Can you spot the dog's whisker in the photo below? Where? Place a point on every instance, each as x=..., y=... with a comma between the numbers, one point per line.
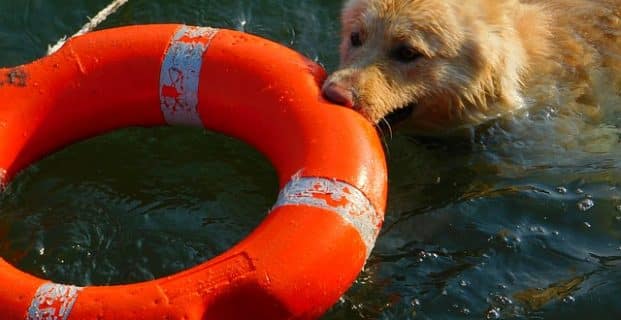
x=383, y=137
x=388, y=126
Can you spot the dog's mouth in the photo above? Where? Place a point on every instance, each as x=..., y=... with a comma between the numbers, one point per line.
x=400, y=114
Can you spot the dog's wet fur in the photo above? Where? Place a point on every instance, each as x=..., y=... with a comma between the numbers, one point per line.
x=445, y=64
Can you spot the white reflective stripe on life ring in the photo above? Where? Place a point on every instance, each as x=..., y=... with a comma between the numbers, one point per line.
x=337, y=196
x=180, y=74
x=53, y=301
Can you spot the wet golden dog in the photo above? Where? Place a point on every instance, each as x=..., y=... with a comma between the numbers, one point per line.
x=455, y=63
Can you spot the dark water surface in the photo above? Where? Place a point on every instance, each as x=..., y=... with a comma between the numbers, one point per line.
x=520, y=221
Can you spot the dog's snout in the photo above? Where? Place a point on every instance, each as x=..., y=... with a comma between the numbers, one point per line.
x=338, y=94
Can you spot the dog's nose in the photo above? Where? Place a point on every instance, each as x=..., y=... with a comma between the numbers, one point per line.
x=339, y=95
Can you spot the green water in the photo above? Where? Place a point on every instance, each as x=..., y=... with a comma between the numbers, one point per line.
x=495, y=225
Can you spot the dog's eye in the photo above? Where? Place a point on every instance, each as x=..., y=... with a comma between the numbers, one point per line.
x=355, y=39
x=405, y=54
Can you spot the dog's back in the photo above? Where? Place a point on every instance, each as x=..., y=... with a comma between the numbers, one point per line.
x=586, y=44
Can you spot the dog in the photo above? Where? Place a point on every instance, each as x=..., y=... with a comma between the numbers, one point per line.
x=448, y=64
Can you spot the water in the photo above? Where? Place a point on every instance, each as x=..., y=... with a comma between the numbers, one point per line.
x=520, y=220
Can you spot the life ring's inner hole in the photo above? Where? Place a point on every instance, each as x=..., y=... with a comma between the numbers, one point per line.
x=134, y=205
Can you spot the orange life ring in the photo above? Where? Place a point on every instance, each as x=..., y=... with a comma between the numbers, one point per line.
x=330, y=164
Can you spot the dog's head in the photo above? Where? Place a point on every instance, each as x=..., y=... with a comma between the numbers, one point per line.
x=447, y=62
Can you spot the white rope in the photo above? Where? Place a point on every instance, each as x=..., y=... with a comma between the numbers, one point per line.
x=100, y=17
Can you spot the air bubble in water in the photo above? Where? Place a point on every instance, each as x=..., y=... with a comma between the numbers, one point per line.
x=586, y=204
x=493, y=314
x=538, y=229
